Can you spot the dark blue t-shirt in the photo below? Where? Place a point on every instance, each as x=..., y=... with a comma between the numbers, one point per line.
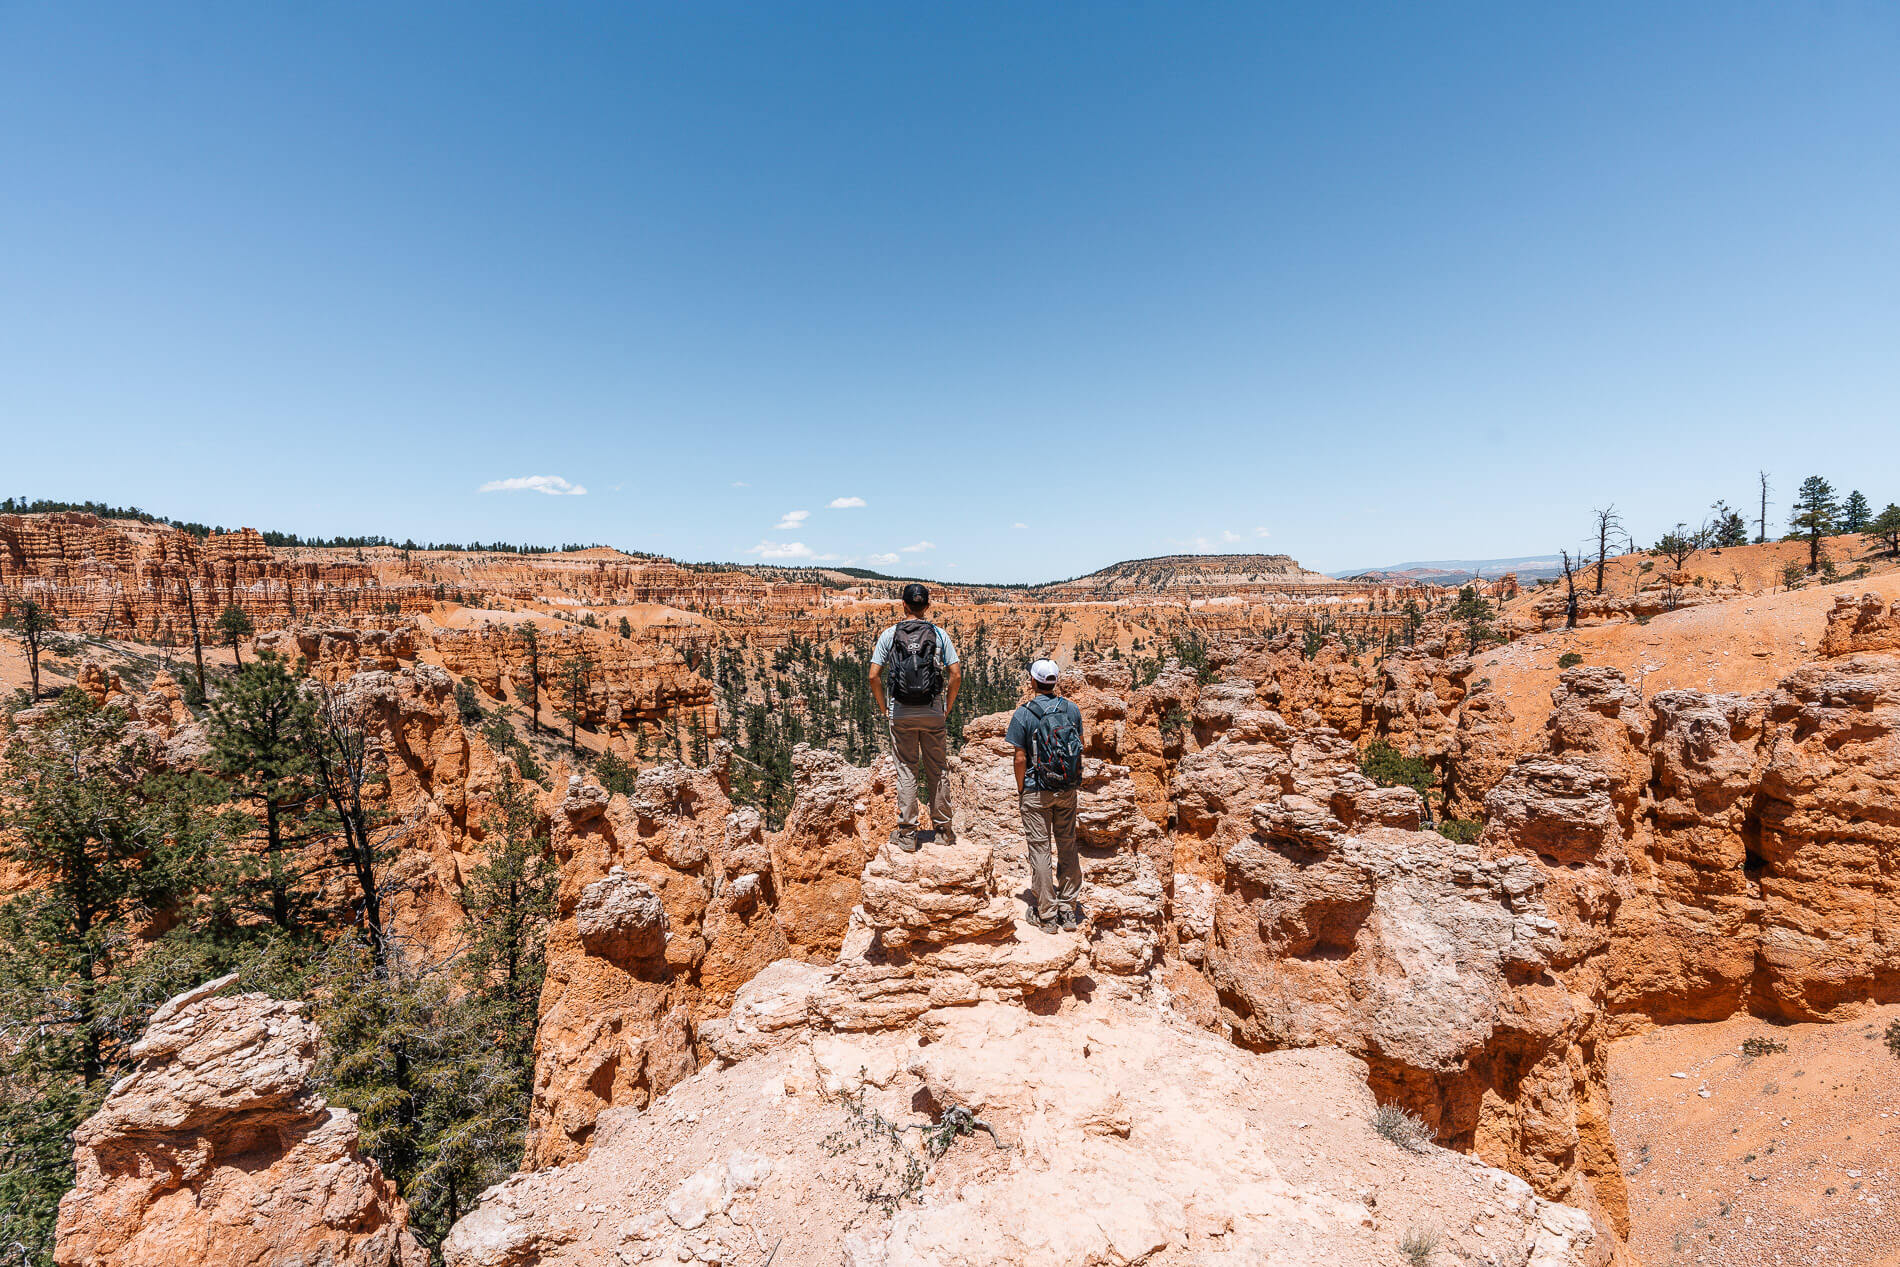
x=1023, y=723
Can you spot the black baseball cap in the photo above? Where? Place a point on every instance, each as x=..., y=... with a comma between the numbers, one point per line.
x=916, y=595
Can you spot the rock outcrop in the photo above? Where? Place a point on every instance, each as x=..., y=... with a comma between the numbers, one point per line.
x=1713, y=854
x=214, y=1151
x=1053, y=1126
x=1861, y=624
x=1335, y=922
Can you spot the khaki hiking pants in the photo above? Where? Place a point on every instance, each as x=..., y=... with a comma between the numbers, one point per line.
x=922, y=745
x=1047, y=817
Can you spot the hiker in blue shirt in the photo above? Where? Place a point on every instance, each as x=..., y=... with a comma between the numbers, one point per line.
x=1047, y=735
x=917, y=660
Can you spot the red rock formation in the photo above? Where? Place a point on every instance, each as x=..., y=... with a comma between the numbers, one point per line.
x=665, y=908
x=629, y=684
x=214, y=1152
x=335, y=653
x=1861, y=624
x=1336, y=923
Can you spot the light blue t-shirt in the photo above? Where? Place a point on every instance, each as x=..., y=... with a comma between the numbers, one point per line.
x=946, y=653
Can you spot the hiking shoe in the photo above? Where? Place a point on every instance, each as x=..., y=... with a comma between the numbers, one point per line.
x=1049, y=925
x=1070, y=919
x=944, y=836
x=905, y=839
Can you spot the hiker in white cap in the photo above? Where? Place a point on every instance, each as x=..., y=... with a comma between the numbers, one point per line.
x=1047, y=735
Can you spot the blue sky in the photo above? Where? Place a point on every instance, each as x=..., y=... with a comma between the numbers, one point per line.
x=1355, y=283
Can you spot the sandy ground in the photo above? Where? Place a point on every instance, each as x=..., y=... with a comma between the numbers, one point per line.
x=1791, y=1158
x=1744, y=644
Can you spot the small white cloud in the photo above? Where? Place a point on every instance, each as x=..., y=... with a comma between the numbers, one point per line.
x=916, y=548
x=1261, y=532
x=1019, y=525
x=1229, y=535
x=825, y=558
x=552, y=485
x=793, y=518
x=845, y=503
x=781, y=550
x=740, y=484
x=881, y=560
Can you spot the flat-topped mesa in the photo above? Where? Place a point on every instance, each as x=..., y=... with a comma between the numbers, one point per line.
x=216, y=1152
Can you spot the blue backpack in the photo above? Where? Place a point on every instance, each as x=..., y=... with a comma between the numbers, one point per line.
x=1055, y=744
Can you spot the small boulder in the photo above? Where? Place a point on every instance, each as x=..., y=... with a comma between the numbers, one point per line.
x=621, y=919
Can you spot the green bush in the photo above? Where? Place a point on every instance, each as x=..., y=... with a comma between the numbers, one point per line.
x=616, y=775
x=468, y=705
x=1192, y=654
x=1173, y=722
x=1462, y=830
x=1569, y=660
x=1388, y=767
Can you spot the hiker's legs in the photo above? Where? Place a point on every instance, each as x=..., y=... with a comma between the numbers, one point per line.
x=1068, y=861
x=935, y=744
x=904, y=744
x=1038, y=831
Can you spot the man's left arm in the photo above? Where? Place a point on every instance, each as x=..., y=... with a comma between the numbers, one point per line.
x=953, y=671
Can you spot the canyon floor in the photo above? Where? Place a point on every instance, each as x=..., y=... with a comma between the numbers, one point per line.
x=1789, y=1158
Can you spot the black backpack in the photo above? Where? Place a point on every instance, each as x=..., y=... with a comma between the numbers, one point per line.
x=913, y=664
x=1055, y=745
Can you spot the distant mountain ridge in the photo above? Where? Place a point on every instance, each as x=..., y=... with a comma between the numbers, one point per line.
x=1457, y=571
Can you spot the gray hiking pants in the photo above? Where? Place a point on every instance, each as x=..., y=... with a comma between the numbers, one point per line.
x=922, y=745
x=1049, y=817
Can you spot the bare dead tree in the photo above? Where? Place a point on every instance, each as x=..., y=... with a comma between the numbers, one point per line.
x=197, y=644
x=1609, y=523
x=1761, y=525
x=346, y=763
x=1570, y=581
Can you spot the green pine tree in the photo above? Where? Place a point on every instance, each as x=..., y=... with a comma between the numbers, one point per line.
x=234, y=626
x=1886, y=527
x=1856, y=514
x=434, y=1095
x=32, y=623
x=264, y=739
x=107, y=839
x=530, y=638
x=577, y=673
x=1813, y=516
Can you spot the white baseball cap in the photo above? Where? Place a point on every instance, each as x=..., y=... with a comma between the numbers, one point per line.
x=1045, y=671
